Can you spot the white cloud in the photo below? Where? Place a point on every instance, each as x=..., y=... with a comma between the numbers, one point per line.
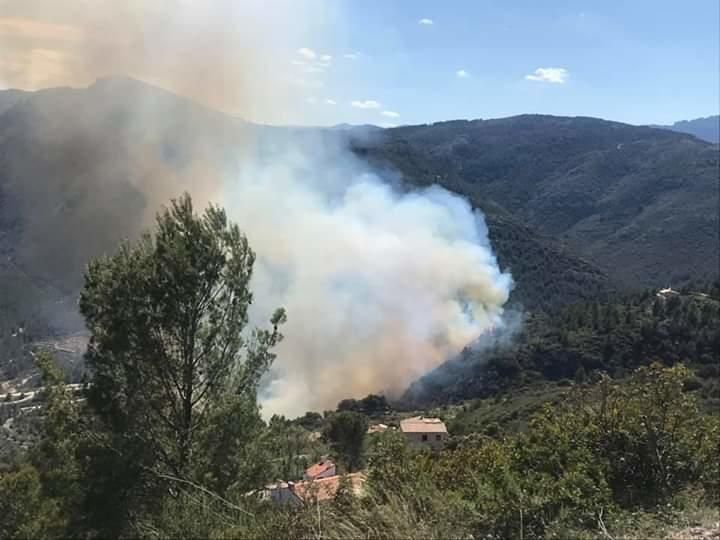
x=387, y=125
x=426, y=22
x=307, y=53
x=318, y=68
x=462, y=74
x=549, y=75
x=298, y=63
x=325, y=58
x=311, y=100
x=331, y=102
x=367, y=104
x=351, y=56
x=390, y=114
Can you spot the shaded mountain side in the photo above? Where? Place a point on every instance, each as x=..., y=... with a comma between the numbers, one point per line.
x=10, y=97
x=707, y=129
x=82, y=169
x=641, y=203
x=581, y=339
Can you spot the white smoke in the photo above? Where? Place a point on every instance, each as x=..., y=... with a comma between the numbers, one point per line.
x=380, y=286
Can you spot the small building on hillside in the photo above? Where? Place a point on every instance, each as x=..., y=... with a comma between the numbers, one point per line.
x=325, y=489
x=323, y=469
x=377, y=428
x=311, y=491
x=666, y=293
x=421, y=431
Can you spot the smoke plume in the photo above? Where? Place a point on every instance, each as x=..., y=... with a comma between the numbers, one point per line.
x=380, y=285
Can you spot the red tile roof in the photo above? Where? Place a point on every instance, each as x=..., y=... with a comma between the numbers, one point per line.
x=325, y=489
x=319, y=468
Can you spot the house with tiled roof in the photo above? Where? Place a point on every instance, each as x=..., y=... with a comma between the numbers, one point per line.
x=325, y=489
x=422, y=431
x=323, y=469
x=310, y=491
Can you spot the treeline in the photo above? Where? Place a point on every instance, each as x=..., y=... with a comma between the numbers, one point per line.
x=580, y=341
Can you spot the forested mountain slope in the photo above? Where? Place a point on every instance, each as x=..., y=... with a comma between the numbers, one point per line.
x=639, y=202
x=578, y=340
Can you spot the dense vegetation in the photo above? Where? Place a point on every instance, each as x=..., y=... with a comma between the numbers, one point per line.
x=578, y=341
x=169, y=441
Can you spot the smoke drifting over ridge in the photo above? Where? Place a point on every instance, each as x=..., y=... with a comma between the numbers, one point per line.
x=380, y=286
x=227, y=54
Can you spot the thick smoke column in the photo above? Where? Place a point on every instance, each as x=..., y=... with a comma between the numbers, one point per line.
x=380, y=286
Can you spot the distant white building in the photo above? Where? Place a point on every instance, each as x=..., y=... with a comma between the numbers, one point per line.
x=664, y=293
x=377, y=428
x=421, y=431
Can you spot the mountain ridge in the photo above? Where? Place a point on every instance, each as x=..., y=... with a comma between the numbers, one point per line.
x=71, y=161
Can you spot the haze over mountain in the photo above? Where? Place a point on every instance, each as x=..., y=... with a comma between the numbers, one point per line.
x=707, y=129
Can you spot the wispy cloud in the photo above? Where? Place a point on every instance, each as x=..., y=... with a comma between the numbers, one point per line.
x=367, y=104
x=307, y=53
x=426, y=22
x=462, y=74
x=311, y=100
x=390, y=114
x=352, y=56
x=311, y=61
x=553, y=75
x=330, y=102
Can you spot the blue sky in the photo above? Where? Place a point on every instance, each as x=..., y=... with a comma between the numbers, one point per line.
x=634, y=61
x=382, y=61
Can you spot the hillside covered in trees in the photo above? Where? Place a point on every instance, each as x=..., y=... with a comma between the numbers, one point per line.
x=579, y=341
x=639, y=202
x=167, y=439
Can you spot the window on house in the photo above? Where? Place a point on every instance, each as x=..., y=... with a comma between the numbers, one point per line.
x=438, y=437
x=424, y=437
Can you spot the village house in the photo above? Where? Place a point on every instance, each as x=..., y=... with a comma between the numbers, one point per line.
x=428, y=432
x=325, y=489
x=320, y=483
x=323, y=469
x=310, y=491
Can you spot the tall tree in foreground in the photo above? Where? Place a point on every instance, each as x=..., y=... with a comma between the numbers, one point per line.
x=169, y=355
x=346, y=432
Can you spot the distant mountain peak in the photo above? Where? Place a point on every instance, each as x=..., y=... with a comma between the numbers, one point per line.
x=706, y=128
